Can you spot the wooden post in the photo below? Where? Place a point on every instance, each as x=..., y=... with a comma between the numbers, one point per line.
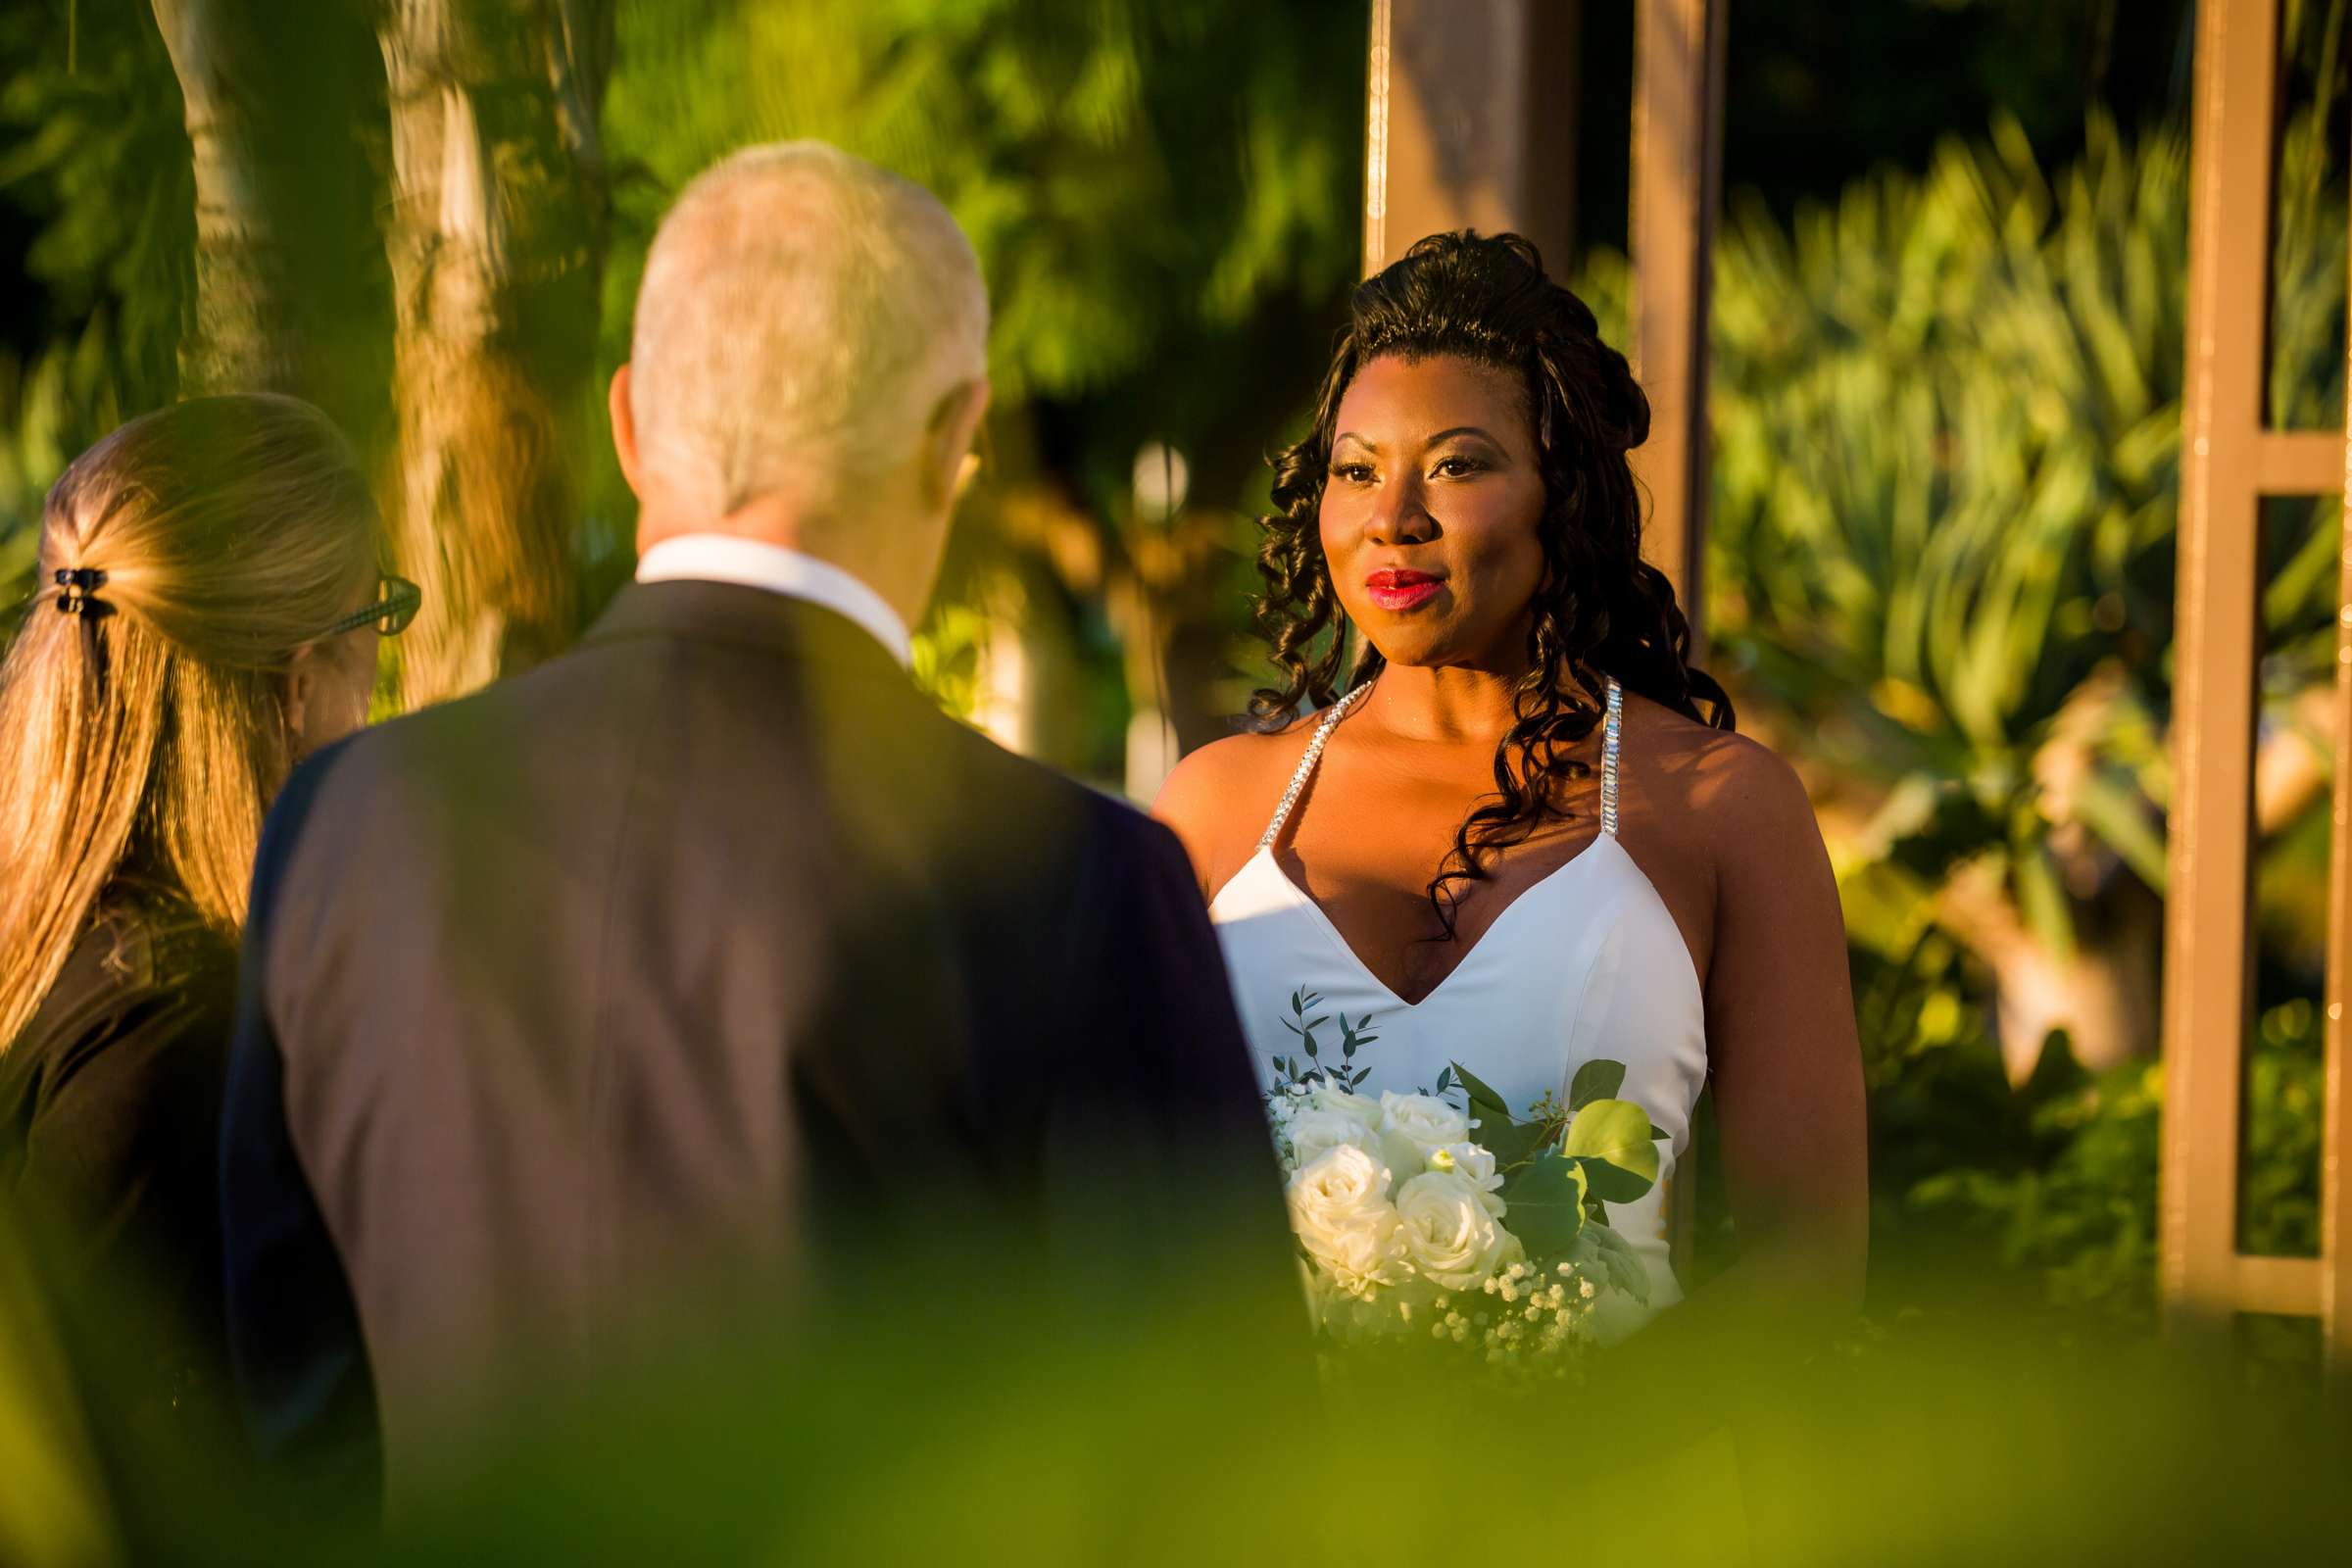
x=2229, y=462
x=1677, y=182
x=1470, y=123
x=2335, y=1142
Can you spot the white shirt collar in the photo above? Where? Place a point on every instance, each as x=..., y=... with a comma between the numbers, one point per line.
x=754, y=564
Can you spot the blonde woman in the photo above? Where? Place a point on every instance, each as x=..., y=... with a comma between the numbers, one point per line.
x=205, y=613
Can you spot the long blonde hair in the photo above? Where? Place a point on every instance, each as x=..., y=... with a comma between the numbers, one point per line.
x=142, y=739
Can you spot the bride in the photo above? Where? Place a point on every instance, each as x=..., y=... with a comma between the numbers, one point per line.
x=1520, y=832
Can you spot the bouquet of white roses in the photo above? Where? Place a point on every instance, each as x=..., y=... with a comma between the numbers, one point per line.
x=1464, y=1226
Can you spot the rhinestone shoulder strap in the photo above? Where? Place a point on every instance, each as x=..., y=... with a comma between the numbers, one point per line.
x=1611, y=740
x=1612, y=733
x=1306, y=763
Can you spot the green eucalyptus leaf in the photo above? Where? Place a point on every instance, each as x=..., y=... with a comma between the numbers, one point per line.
x=1484, y=1104
x=1545, y=1205
x=1612, y=1183
x=1598, y=1079
x=1612, y=1139
x=1511, y=1143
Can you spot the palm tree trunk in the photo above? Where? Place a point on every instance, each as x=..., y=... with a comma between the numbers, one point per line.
x=289, y=296
x=496, y=240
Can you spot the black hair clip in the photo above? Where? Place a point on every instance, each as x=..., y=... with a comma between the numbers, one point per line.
x=78, y=587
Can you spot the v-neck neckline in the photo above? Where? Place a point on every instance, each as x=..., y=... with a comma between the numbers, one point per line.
x=1269, y=845
x=1347, y=950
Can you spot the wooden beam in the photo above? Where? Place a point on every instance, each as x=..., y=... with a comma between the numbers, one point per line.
x=2335, y=1281
x=1379, y=98
x=1678, y=144
x=1470, y=122
x=2217, y=643
x=2299, y=463
x=2288, y=1287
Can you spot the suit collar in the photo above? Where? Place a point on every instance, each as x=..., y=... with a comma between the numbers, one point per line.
x=757, y=564
x=739, y=616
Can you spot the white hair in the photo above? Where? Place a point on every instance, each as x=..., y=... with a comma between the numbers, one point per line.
x=802, y=312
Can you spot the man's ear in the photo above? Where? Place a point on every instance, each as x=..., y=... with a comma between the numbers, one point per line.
x=947, y=463
x=624, y=428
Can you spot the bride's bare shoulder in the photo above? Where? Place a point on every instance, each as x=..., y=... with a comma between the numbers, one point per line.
x=1220, y=797
x=1735, y=790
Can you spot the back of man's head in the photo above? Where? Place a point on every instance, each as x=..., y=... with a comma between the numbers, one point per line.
x=801, y=316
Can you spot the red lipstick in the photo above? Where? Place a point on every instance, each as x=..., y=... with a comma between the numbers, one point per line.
x=1394, y=589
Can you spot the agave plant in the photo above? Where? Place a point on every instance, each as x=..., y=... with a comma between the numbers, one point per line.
x=1948, y=423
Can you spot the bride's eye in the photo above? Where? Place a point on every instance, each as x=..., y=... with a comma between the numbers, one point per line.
x=1458, y=467
x=1352, y=472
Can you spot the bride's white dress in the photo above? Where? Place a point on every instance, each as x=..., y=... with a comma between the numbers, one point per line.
x=1586, y=963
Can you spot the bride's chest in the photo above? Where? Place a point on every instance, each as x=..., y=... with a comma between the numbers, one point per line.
x=1524, y=1048
x=1518, y=1006
x=1412, y=916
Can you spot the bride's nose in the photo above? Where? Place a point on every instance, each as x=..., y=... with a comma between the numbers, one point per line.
x=1401, y=516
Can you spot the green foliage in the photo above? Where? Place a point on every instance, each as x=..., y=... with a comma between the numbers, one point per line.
x=54, y=1509
x=1548, y=1198
x=1947, y=420
x=2059, y=1178
x=2285, y=1093
x=1617, y=1262
x=50, y=408
x=928, y=1421
x=1947, y=417
x=1598, y=1079
x=1162, y=199
x=1485, y=1104
x=1948, y=425
x=113, y=257
x=2079, y=1209
x=1612, y=1140
x=92, y=149
x=1314, y=1067
x=947, y=658
x=1128, y=172
x=1610, y=1143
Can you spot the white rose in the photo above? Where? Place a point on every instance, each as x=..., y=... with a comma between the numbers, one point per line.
x=1329, y=1096
x=1342, y=1214
x=1315, y=1133
x=1447, y=1233
x=1412, y=1126
x=1477, y=1167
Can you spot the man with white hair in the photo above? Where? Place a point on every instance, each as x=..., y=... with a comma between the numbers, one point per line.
x=709, y=957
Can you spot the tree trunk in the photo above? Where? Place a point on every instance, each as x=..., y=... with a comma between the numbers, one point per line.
x=496, y=237
x=2103, y=994
x=278, y=99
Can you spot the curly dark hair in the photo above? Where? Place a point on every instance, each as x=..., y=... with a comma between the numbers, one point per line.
x=1600, y=611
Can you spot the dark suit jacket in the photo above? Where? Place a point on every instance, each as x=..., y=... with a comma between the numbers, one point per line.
x=634, y=983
